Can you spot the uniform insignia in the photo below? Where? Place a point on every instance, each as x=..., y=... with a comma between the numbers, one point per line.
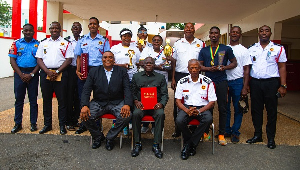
x=19, y=53
x=35, y=45
x=100, y=42
x=207, y=80
x=183, y=80
x=198, y=45
x=254, y=59
x=85, y=44
x=67, y=38
x=62, y=43
x=13, y=49
x=203, y=87
x=271, y=49
x=45, y=51
x=21, y=48
x=186, y=97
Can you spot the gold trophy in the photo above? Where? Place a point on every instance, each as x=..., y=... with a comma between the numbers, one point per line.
x=142, y=42
x=131, y=53
x=221, y=58
x=168, y=51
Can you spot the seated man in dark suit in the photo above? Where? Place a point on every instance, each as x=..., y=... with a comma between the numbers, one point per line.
x=148, y=78
x=111, y=94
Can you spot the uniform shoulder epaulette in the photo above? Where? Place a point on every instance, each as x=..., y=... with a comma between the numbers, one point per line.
x=43, y=39
x=106, y=39
x=81, y=37
x=277, y=44
x=207, y=80
x=67, y=38
x=184, y=79
x=251, y=45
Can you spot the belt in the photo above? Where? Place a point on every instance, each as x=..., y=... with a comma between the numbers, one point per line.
x=268, y=79
x=28, y=69
x=52, y=68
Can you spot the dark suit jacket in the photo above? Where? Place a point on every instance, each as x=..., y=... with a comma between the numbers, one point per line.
x=116, y=91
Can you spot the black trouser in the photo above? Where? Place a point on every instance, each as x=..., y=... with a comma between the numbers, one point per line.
x=59, y=87
x=183, y=120
x=73, y=104
x=221, y=92
x=263, y=92
x=178, y=76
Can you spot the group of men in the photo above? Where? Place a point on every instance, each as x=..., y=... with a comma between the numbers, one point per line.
x=227, y=70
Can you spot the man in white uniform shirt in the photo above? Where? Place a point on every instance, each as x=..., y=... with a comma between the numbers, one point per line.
x=54, y=55
x=198, y=93
x=268, y=82
x=184, y=49
x=238, y=82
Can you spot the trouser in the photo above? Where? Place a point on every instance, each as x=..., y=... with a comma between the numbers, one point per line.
x=235, y=88
x=178, y=76
x=97, y=110
x=20, y=92
x=73, y=104
x=59, y=87
x=159, y=118
x=263, y=92
x=183, y=120
x=221, y=92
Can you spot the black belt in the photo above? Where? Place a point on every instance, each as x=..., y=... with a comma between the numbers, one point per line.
x=52, y=68
x=268, y=79
x=28, y=69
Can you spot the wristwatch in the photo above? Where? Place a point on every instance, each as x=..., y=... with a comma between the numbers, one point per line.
x=32, y=75
x=284, y=86
x=57, y=71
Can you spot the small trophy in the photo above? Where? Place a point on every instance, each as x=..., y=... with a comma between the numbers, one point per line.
x=168, y=50
x=131, y=53
x=221, y=58
x=142, y=42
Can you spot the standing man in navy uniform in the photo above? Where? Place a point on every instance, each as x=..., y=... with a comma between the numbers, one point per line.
x=209, y=58
x=184, y=49
x=95, y=45
x=73, y=109
x=26, y=76
x=268, y=82
x=54, y=55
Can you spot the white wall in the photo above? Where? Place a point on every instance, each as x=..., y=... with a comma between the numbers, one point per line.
x=5, y=68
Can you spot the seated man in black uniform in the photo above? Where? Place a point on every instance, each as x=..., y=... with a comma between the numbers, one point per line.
x=199, y=96
x=111, y=94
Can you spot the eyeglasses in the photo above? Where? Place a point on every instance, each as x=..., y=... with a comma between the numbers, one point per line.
x=75, y=26
x=142, y=32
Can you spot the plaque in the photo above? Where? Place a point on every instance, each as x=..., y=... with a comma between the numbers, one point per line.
x=148, y=97
x=221, y=58
x=84, y=65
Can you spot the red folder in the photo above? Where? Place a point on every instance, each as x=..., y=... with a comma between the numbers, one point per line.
x=84, y=65
x=148, y=97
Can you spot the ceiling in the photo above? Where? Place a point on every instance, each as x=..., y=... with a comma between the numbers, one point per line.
x=171, y=11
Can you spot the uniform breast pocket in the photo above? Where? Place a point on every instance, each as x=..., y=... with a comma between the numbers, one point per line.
x=20, y=52
x=253, y=58
x=99, y=48
x=271, y=57
x=181, y=51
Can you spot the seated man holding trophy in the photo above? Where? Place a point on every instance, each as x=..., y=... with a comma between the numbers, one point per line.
x=150, y=95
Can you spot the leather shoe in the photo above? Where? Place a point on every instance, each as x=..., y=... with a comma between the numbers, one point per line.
x=63, y=130
x=271, y=144
x=176, y=134
x=97, y=142
x=109, y=144
x=185, y=153
x=45, y=129
x=192, y=151
x=157, y=151
x=81, y=129
x=254, y=140
x=71, y=128
x=136, y=150
x=33, y=128
x=16, y=128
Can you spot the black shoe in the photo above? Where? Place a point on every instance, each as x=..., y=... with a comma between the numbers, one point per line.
x=45, y=129
x=16, y=128
x=97, y=142
x=176, y=134
x=63, y=130
x=227, y=135
x=271, y=144
x=136, y=150
x=185, y=153
x=254, y=140
x=109, y=144
x=157, y=151
x=81, y=129
x=33, y=128
x=192, y=150
x=71, y=128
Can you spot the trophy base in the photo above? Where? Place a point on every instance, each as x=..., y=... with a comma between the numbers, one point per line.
x=167, y=67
